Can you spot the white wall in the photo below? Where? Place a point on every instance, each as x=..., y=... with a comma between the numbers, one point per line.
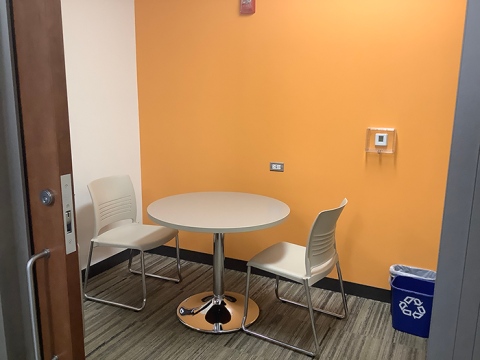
x=100, y=55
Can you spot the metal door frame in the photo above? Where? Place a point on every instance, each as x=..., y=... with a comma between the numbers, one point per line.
x=15, y=248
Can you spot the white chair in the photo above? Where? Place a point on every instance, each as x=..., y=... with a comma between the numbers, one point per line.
x=306, y=265
x=113, y=200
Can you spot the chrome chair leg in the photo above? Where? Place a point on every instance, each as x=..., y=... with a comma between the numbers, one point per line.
x=87, y=270
x=344, y=297
x=310, y=310
x=179, y=279
x=91, y=298
x=263, y=337
x=179, y=268
x=245, y=305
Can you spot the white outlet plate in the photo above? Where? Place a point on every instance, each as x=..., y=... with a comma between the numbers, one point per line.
x=276, y=166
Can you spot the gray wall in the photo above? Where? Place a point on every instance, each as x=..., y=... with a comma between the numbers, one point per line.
x=15, y=330
x=3, y=343
x=458, y=211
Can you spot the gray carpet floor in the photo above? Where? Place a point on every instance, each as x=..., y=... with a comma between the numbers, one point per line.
x=113, y=333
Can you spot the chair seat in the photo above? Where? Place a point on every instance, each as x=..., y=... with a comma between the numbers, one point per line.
x=288, y=260
x=136, y=236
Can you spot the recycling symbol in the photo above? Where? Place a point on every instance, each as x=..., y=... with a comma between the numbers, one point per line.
x=418, y=314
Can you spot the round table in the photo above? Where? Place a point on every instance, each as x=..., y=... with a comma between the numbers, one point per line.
x=218, y=213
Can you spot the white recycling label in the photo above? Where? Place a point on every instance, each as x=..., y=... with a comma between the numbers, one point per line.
x=417, y=314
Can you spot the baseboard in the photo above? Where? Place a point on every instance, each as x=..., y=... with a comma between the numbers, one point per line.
x=364, y=291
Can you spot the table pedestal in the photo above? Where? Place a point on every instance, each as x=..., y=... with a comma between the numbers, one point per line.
x=217, y=311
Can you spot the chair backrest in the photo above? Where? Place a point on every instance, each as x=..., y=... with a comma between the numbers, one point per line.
x=321, y=241
x=113, y=200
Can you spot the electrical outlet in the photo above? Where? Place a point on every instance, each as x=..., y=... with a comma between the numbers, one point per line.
x=276, y=166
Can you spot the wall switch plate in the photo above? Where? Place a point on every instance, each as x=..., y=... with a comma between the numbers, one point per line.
x=381, y=139
x=276, y=166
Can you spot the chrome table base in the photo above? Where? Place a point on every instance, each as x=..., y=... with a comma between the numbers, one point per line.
x=204, y=313
x=216, y=312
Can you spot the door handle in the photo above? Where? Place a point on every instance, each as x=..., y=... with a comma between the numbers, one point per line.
x=33, y=304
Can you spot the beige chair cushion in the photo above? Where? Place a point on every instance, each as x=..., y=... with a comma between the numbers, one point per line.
x=288, y=260
x=136, y=236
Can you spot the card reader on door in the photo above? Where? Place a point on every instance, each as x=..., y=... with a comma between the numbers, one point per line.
x=68, y=221
x=68, y=214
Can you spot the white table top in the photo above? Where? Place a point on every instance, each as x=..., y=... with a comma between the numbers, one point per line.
x=218, y=212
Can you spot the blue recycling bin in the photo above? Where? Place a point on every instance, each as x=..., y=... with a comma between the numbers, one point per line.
x=412, y=301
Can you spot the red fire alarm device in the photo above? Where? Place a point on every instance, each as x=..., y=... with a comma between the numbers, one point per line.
x=247, y=6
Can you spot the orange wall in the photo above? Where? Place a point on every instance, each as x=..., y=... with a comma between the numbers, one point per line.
x=221, y=95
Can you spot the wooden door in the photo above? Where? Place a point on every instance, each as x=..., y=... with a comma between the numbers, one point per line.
x=42, y=95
